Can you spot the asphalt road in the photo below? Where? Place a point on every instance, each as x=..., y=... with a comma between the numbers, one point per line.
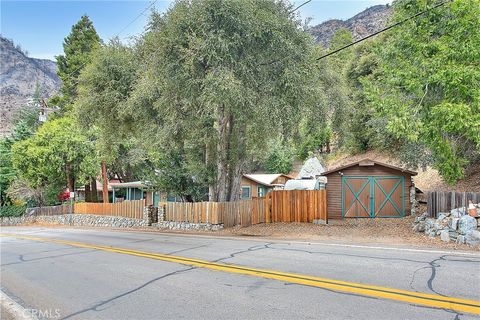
x=64, y=281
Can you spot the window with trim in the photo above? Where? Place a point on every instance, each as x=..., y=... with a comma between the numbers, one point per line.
x=246, y=193
x=260, y=191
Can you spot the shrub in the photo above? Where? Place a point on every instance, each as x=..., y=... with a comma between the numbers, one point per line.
x=12, y=211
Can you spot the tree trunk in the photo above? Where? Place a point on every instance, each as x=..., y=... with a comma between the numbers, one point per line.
x=70, y=178
x=237, y=161
x=93, y=187
x=221, y=185
x=208, y=163
x=105, y=182
x=88, y=193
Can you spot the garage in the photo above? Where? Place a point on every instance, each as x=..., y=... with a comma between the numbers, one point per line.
x=369, y=189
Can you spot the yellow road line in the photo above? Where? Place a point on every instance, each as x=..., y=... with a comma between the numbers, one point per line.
x=431, y=300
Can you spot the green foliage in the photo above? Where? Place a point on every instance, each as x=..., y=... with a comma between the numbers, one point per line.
x=7, y=172
x=427, y=87
x=12, y=211
x=25, y=122
x=77, y=47
x=313, y=140
x=104, y=88
x=174, y=177
x=57, y=153
x=326, y=118
x=221, y=78
x=280, y=158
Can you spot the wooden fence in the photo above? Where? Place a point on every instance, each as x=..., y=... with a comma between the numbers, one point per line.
x=438, y=201
x=128, y=209
x=278, y=206
x=49, y=211
x=298, y=206
x=243, y=212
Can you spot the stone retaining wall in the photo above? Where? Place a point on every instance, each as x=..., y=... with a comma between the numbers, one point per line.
x=91, y=220
x=76, y=220
x=173, y=225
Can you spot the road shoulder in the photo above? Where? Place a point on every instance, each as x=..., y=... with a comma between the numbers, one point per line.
x=11, y=310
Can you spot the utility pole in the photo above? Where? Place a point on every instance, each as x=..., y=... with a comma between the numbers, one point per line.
x=105, y=182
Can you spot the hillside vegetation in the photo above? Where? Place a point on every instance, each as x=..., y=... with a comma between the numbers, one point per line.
x=21, y=77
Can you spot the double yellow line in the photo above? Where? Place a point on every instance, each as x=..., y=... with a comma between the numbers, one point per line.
x=417, y=298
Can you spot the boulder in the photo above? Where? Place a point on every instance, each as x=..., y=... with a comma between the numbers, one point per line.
x=473, y=238
x=441, y=223
x=430, y=227
x=466, y=224
x=419, y=227
x=421, y=217
x=453, y=234
x=461, y=239
x=458, y=212
x=453, y=223
x=445, y=236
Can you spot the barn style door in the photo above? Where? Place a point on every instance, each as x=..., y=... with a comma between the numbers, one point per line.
x=370, y=197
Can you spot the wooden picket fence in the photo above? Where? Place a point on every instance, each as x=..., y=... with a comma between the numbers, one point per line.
x=129, y=209
x=439, y=201
x=278, y=206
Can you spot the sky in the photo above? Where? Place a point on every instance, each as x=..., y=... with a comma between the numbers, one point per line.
x=40, y=26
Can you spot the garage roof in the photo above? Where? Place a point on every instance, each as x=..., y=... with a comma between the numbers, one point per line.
x=368, y=163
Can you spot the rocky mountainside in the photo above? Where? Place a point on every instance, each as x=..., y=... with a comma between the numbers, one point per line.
x=366, y=22
x=20, y=76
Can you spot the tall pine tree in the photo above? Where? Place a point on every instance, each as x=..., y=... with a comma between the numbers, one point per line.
x=77, y=48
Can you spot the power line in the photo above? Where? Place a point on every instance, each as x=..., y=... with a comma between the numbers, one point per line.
x=292, y=11
x=135, y=19
x=384, y=29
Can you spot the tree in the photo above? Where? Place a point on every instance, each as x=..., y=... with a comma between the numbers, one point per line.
x=77, y=47
x=324, y=121
x=56, y=156
x=427, y=82
x=25, y=123
x=104, y=87
x=280, y=158
x=223, y=77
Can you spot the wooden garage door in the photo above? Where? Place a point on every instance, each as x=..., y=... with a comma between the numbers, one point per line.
x=389, y=197
x=370, y=197
x=356, y=197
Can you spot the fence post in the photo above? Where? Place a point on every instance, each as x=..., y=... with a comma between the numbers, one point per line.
x=161, y=213
x=147, y=214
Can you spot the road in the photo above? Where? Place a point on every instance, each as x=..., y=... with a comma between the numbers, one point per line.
x=99, y=274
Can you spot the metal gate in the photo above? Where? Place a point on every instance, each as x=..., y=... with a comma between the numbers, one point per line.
x=370, y=197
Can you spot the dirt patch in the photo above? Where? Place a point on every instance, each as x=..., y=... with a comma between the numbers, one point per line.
x=351, y=231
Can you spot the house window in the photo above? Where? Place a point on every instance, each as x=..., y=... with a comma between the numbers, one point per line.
x=246, y=192
x=260, y=191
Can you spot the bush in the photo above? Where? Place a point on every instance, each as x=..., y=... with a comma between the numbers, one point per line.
x=12, y=211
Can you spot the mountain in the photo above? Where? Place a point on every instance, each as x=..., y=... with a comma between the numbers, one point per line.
x=366, y=22
x=19, y=78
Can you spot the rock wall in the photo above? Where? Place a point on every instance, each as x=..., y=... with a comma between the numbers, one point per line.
x=455, y=225
x=76, y=220
x=90, y=220
x=173, y=225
